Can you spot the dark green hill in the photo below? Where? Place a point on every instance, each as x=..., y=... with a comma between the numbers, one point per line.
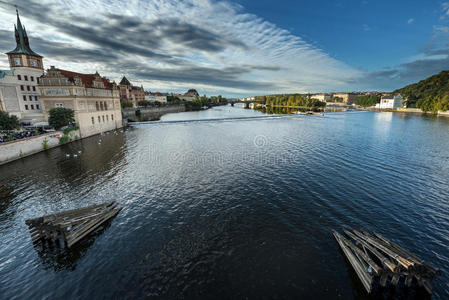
x=427, y=91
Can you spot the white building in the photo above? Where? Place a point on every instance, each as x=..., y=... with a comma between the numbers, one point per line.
x=153, y=97
x=323, y=97
x=390, y=102
x=19, y=94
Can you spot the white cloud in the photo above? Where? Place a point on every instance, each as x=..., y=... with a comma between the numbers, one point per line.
x=276, y=60
x=410, y=21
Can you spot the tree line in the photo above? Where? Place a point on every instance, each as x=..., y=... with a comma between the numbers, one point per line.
x=297, y=100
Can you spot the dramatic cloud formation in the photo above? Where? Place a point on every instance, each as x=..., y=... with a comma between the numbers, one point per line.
x=173, y=45
x=210, y=45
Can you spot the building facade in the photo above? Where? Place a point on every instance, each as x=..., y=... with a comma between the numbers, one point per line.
x=346, y=98
x=191, y=95
x=19, y=94
x=131, y=93
x=390, y=102
x=153, y=97
x=94, y=99
x=323, y=97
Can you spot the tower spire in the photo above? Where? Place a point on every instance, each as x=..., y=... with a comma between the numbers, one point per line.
x=23, y=44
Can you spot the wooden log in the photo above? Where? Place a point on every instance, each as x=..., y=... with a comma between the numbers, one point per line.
x=364, y=277
x=89, y=227
x=376, y=268
x=404, y=262
x=376, y=253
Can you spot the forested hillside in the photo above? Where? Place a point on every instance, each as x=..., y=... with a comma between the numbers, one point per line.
x=431, y=94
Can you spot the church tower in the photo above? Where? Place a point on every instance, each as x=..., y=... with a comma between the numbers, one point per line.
x=22, y=55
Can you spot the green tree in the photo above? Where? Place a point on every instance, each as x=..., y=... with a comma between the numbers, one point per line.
x=8, y=122
x=144, y=103
x=60, y=117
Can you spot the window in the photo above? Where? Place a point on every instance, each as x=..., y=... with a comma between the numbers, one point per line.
x=37, y=80
x=93, y=121
x=26, y=78
x=28, y=88
x=103, y=119
x=34, y=88
x=17, y=61
x=59, y=105
x=36, y=98
x=99, y=119
x=32, y=106
x=96, y=105
x=26, y=107
x=112, y=117
x=33, y=63
x=31, y=98
x=19, y=77
x=37, y=106
x=107, y=118
x=105, y=106
x=22, y=88
x=32, y=78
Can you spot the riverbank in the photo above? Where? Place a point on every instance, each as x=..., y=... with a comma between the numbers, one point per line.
x=143, y=114
x=14, y=150
x=405, y=110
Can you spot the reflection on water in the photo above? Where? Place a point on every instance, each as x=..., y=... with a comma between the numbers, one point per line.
x=229, y=209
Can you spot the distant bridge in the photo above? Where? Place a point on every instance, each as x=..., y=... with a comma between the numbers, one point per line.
x=246, y=102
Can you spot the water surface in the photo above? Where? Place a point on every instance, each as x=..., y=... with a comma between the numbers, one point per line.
x=239, y=208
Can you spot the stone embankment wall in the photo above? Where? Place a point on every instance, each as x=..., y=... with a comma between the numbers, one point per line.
x=11, y=151
x=141, y=114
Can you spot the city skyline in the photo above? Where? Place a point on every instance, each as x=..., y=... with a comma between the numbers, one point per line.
x=239, y=49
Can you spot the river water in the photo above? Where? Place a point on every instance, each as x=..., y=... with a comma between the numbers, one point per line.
x=229, y=204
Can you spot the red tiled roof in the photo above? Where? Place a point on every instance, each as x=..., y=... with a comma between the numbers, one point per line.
x=86, y=79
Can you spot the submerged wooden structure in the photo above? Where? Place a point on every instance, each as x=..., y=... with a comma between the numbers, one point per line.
x=73, y=225
x=380, y=263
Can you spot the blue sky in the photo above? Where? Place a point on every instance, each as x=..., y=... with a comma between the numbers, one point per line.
x=365, y=34
x=241, y=47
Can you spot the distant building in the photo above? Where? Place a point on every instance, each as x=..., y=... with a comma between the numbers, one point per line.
x=323, y=97
x=153, y=97
x=95, y=100
x=19, y=94
x=131, y=93
x=390, y=102
x=347, y=98
x=191, y=94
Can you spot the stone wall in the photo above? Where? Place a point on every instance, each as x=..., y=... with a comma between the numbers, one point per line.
x=141, y=114
x=11, y=151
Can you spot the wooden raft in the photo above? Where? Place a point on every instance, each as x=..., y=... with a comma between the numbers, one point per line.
x=380, y=262
x=72, y=225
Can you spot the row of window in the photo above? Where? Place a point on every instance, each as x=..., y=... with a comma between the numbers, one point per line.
x=101, y=106
x=28, y=88
x=32, y=106
x=25, y=77
x=31, y=98
x=102, y=118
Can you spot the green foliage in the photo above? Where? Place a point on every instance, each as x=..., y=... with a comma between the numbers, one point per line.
x=69, y=129
x=367, y=101
x=60, y=117
x=171, y=98
x=8, y=122
x=433, y=103
x=45, y=144
x=64, y=139
x=427, y=94
x=205, y=101
x=295, y=100
x=125, y=104
x=144, y=103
